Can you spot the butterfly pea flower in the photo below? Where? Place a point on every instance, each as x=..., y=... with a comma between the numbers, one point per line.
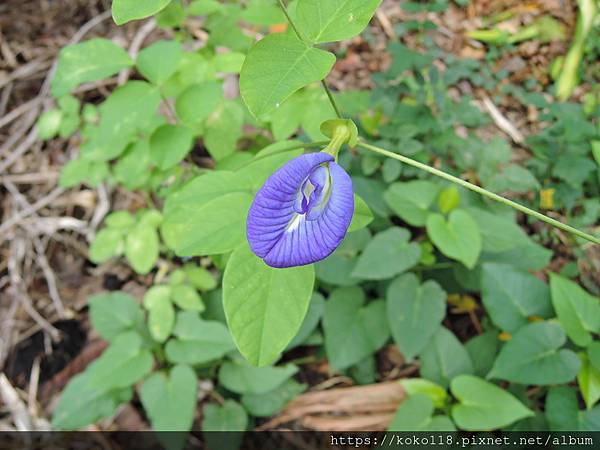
x=302, y=212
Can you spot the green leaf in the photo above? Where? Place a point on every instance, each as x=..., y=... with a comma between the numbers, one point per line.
x=588, y=379
x=242, y=378
x=49, y=123
x=411, y=201
x=337, y=268
x=353, y=330
x=141, y=248
x=483, y=350
x=593, y=352
x=217, y=226
x=170, y=401
x=577, y=311
x=511, y=297
x=229, y=416
x=161, y=312
x=562, y=409
x=272, y=402
x=114, y=313
x=415, y=312
x=88, y=61
x=202, y=279
x=81, y=404
x=458, y=238
x=534, y=356
x=435, y=392
x=159, y=61
x=198, y=341
x=444, y=358
x=124, y=11
x=484, y=406
x=223, y=129
x=107, y=244
x=388, y=254
x=362, y=215
x=203, y=189
x=198, y=101
x=413, y=414
x=122, y=364
x=169, y=144
x=186, y=297
x=311, y=320
x=264, y=306
x=276, y=67
x=334, y=20
x=449, y=199
x=119, y=219
x=128, y=111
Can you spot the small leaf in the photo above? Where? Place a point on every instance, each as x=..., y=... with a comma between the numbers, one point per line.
x=449, y=199
x=229, y=416
x=107, y=244
x=413, y=414
x=186, y=297
x=353, y=330
x=141, y=248
x=362, y=215
x=169, y=144
x=435, y=392
x=577, y=311
x=483, y=350
x=415, y=312
x=334, y=20
x=124, y=11
x=198, y=341
x=272, y=402
x=276, y=67
x=562, y=408
x=512, y=296
x=265, y=307
x=458, y=238
x=122, y=364
x=114, y=313
x=411, y=200
x=484, y=406
x=444, y=358
x=198, y=101
x=81, y=404
x=161, y=312
x=534, y=356
x=388, y=254
x=159, y=61
x=217, y=226
x=311, y=320
x=242, y=378
x=223, y=129
x=49, y=123
x=170, y=402
x=88, y=61
x=588, y=379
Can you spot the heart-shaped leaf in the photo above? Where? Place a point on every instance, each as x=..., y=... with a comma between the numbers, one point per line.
x=388, y=254
x=534, y=356
x=170, y=402
x=458, y=238
x=415, y=312
x=353, y=331
x=444, y=358
x=484, y=406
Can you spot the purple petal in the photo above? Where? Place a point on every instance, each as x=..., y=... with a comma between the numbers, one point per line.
x=302, y=212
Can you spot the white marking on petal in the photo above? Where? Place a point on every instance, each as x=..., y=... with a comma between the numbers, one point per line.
x=295, y=223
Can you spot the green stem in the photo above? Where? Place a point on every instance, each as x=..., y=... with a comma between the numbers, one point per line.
x=301, y=37
x=331, y=99
x=481, y=191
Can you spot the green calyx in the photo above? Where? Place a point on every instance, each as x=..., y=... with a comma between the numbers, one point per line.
x=340, y=131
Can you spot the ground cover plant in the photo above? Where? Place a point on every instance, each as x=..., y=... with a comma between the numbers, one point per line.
x=285, y=225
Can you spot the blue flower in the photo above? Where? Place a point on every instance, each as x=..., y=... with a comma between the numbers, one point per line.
x=302, y=212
